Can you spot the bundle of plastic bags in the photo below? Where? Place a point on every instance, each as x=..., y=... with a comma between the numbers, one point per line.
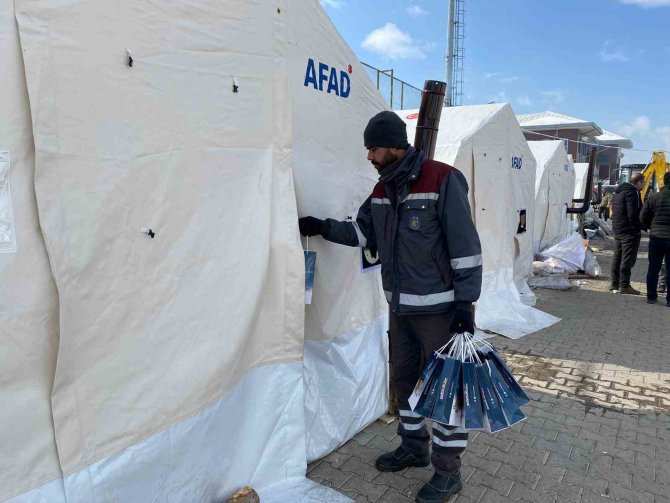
x=466, y=383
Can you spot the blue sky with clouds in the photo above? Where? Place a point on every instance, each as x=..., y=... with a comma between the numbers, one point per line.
x=607, y=61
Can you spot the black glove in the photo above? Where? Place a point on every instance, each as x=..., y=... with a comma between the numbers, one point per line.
x=463, y=322
x=312, y=226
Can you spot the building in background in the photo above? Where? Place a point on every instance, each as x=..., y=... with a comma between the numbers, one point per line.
x=609, y=157
x=579, y=136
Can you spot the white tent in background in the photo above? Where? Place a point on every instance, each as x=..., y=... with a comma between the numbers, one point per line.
x=487, y=145
x=581, y=173
x=180, y=370
x=554, y=187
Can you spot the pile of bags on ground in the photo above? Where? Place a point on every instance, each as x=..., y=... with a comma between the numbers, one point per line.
x=557, y=263
x=595, y=227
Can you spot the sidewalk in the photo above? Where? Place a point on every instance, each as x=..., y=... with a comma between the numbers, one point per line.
x=598, y=429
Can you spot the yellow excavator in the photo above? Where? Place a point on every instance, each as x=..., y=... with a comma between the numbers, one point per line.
x=653, y=174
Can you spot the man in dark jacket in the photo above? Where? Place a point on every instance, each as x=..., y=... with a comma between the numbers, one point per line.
x=655, y=216
x=418, y=217
x=626, y=206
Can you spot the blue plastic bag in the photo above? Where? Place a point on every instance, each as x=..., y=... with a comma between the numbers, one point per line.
x=310, y=268
x=448, y=387
x=494, y=419
x=473, y=416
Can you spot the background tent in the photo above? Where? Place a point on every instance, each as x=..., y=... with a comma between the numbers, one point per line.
x=176, y=358
x=554, y=186
x=581, y=173
x=487, y=145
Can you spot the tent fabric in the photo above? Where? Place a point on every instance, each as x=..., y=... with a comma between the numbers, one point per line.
x=171, y=147
x=487, y=145
x=554, y=186
x=28, y=297
x=163, y=351
x=345, y=350
x=581, y=173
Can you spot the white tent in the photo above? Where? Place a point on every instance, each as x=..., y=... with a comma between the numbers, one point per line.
x=581, y=173
x=487, y=145
x=554, y=186
x=152, y=310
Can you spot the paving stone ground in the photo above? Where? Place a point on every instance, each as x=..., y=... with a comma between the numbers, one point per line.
x=598, y=428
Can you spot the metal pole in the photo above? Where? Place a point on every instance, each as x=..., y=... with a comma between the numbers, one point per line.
x=450, y=53
x=391, y=88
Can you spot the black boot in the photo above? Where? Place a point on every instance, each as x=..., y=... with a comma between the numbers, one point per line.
x=400, y=459
x=439, y=488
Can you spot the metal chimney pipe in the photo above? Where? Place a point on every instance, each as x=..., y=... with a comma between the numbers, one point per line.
x=428, y=122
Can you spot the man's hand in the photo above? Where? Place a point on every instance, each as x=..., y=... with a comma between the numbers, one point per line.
x=312, y=226
x=463, y=322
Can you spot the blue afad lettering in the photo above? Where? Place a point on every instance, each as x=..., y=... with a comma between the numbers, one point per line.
x=327, y=79
x=517, y=162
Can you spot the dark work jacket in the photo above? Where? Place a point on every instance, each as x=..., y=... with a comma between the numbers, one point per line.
x=426, y=239
x=655, y=215
x=626, y=207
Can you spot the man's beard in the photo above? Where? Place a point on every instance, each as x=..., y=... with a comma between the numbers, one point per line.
x=387, y=161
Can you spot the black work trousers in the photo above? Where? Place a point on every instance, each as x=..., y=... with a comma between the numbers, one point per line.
x=625, y=255
x=413, y=338
x=663, y=280
x=659, y=249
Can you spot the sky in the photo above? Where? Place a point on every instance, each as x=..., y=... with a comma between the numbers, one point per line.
x=605, y=61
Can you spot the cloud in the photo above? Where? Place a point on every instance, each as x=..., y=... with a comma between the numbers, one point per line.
x=639, y=126
x=501, y=97
x=608, y=55
x=645, y=136
x=555, y=95
x=647, y=4
x=524, y=101
x=664, y=135
x=416, y=11
x=335, y=4
x=391, y=42
x=502, y=78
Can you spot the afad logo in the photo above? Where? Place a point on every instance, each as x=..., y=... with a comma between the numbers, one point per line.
x=328, y=79
x=517, y=162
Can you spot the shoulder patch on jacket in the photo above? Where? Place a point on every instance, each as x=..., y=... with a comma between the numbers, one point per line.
x=432, y=175
x=378, y=191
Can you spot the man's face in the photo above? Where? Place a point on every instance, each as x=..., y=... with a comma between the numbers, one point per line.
x=380, y=157
x=640, y=185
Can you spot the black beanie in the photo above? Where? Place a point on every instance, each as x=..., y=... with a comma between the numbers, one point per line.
x=386, y=129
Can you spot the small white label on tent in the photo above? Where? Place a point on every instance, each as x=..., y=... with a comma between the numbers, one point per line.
x=369, y=262
x=7, y=234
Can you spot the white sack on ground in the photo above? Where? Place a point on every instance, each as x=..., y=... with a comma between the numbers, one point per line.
x=568, y=254
x=345, y=326
x=487, y=145
x=28, y=299
x=551, y=282
x=554, y=186
x=591, y=265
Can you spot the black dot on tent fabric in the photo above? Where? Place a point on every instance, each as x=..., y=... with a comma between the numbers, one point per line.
x=278, y=10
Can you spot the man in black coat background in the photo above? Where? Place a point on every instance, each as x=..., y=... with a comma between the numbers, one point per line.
x=626, y=207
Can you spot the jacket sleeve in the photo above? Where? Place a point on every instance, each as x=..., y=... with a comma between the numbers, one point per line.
x=632, y=210
x=359, y=233
x=465, y=251
x=647, y=214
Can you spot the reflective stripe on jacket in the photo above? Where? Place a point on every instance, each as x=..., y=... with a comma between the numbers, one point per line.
x=428, y=244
